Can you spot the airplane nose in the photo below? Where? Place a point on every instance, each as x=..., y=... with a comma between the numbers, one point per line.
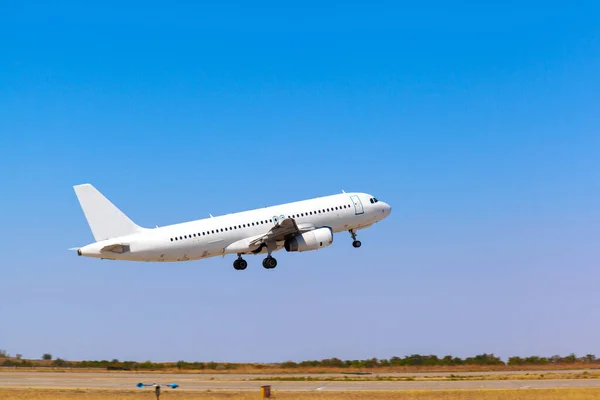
x=386, y=209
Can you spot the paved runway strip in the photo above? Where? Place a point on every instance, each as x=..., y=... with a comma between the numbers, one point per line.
x=235, y=382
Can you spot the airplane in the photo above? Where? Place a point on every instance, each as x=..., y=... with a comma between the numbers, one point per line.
x=296, y=227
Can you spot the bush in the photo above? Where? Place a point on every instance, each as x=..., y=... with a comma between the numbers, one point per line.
x=59, y=362
x=211, y=365
x=47, y=356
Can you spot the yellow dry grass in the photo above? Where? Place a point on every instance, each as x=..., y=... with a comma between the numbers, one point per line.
x=511, y=394
x=451, y=377
x=276, y=369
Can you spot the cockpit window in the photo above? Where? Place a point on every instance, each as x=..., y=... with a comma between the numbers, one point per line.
x=375, y=200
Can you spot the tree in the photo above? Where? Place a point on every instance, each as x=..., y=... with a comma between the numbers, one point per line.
x=19, y=356
x=3, y=353
x=515, y=361
x=47, y=356
x=59, y=362
x=589, y=358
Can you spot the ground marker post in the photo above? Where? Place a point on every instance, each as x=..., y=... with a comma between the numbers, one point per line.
x=265, y=392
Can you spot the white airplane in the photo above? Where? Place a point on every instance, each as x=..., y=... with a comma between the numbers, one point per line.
x=300, y=226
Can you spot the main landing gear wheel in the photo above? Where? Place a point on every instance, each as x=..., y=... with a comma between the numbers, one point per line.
x=269, y=263
x=240, y=264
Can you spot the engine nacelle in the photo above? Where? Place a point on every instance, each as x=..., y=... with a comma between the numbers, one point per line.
x=311, y=240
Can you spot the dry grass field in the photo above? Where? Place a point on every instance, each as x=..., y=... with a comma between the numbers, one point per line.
x=451, y=377
x=169, y=368
x=519, y=394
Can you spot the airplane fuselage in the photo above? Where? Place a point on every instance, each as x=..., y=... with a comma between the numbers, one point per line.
x=231, y=233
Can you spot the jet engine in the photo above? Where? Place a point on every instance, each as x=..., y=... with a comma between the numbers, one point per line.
x=311, y=240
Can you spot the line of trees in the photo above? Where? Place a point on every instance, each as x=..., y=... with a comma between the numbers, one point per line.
x=433, y=360
x=411, y=360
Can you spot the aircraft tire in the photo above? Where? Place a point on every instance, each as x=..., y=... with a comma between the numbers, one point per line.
x=269, y=263
x=356, y=244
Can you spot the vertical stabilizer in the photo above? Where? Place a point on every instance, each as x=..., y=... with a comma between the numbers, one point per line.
x=105, y=220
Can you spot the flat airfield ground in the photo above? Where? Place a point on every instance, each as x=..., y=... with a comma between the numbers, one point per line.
x=476, y=394
x=118, y=381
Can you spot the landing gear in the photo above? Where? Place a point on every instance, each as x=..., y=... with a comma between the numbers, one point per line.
x=356, y=243
x=269, y=262
x=240, y=264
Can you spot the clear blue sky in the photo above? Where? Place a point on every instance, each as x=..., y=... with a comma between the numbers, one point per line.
x=479, y=124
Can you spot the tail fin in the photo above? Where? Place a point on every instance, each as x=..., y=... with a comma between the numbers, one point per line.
x=105, y=220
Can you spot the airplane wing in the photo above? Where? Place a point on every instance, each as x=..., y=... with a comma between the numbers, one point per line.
x=282, y=231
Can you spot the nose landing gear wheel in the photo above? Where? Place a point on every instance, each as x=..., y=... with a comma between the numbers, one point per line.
x=269, y=263
x=240, y=264
x=355, y=243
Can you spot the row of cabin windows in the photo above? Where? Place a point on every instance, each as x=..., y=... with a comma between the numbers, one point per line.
x=212, y=232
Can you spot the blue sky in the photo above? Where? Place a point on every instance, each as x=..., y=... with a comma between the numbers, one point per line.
x=477, y=123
